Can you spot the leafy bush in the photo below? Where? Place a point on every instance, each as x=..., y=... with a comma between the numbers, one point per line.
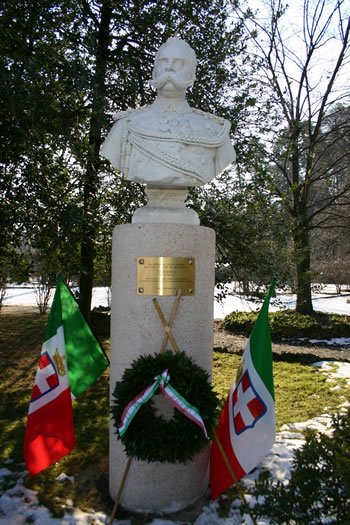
x=289, y=323
x=319, y=487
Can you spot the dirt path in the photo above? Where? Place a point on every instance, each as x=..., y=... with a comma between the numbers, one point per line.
x=236, y=343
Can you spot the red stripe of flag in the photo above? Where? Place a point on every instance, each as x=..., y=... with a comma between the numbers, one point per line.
x=220, y=478
x=49, y=434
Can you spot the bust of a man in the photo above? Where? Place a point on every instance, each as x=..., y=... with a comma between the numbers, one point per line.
x=169, y=144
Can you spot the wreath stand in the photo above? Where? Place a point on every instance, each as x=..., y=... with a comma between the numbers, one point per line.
x=169, y=336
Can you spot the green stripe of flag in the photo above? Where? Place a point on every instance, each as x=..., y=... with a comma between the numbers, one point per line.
x=55, y=318
x=260, y=344
x=85, y=358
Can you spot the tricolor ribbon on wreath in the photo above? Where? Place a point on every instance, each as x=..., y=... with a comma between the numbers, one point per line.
x=161, y=381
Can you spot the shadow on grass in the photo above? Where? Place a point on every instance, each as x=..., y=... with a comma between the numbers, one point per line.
x=288, y=357
x=21, y=337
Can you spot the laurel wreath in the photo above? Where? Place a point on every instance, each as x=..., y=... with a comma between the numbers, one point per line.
x=149, y=436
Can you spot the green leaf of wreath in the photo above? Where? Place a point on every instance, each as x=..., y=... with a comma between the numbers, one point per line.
x=149, y=436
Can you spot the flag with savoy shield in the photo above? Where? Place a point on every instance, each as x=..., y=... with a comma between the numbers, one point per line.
x=71, y=360
x=247, y=427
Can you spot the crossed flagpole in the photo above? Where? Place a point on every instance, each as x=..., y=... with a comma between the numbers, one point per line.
x=168, y=326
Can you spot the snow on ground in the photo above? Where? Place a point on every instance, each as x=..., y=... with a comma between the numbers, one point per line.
x=19, y=505
x=327, y=301
x=335, y=371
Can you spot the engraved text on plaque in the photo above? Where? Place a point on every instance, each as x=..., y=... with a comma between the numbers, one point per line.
x=165, y=275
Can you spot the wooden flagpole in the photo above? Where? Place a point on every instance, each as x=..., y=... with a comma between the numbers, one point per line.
x=234, y=477
x=168, y=334
x=117, y=499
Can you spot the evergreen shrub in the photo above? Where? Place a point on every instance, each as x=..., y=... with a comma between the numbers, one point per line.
x=289, y=323
x=319, y=488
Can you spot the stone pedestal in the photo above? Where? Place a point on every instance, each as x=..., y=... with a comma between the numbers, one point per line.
x=137, y=330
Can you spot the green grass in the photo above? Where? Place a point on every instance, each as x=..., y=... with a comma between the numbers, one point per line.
x=301, y=392
x=21, y=338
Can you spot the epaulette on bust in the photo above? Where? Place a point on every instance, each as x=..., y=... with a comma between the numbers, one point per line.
x=209, y=116
x=122, y=114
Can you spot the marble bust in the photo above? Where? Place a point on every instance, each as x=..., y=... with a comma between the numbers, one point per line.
x=169, y=144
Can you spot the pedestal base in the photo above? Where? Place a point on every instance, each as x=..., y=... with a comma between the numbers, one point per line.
x=137, y=330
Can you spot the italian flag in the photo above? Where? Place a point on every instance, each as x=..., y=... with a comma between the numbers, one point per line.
x=247, y=427
x=71, y=360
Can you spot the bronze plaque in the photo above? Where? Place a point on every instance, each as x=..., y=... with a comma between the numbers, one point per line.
x=165, y=275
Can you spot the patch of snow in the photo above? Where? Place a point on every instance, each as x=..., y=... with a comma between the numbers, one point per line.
x=5, y=472
x=344, y=341
x=165, y=522
x=321, y=423
x=335, y=370
x=65, y=477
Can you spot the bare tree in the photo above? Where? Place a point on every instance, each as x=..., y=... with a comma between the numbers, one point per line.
x=305, y=75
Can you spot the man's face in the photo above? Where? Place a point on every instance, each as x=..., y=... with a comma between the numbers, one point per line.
x=173, y=72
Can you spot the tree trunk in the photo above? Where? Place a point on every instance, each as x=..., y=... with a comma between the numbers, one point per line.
x=91, y=182
x=301, y=239
x=302, y=265
x=86, y=269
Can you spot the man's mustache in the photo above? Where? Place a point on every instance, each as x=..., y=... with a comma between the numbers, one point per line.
x=162, y=79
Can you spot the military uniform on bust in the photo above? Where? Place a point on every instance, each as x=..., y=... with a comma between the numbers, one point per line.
x=169, y=145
